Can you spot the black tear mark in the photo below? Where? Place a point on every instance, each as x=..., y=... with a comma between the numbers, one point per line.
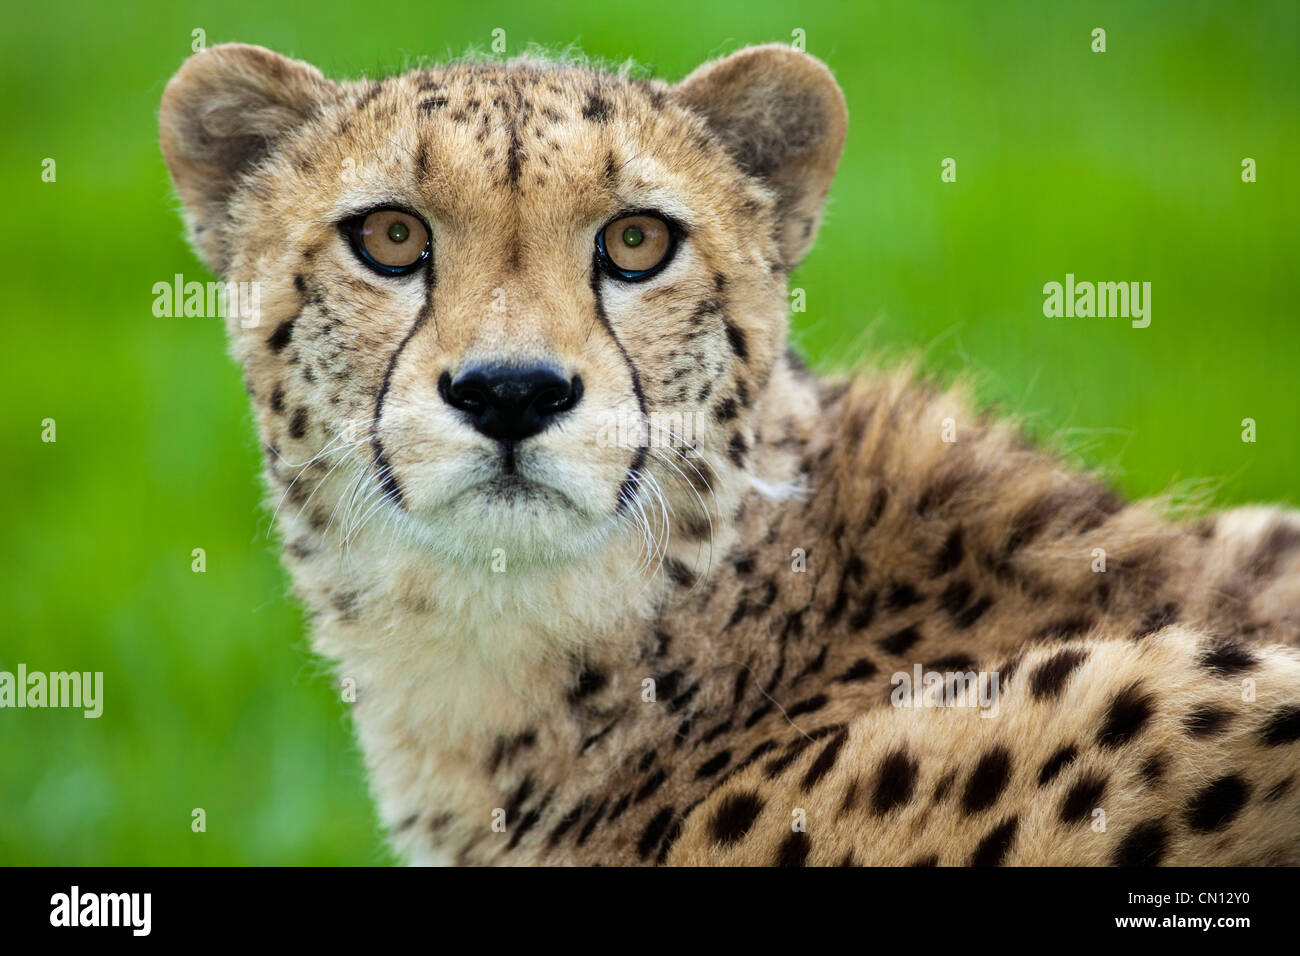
x=383, y=470
x=626, y=491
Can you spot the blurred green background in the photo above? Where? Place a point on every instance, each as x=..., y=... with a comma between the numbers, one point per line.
x=1117, y=166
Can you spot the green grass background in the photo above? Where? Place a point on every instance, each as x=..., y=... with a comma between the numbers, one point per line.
x=1116, y=166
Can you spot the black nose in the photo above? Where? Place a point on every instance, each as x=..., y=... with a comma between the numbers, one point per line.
x=510, y=403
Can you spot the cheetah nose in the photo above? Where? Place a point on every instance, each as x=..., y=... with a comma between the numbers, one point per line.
x=510, y=403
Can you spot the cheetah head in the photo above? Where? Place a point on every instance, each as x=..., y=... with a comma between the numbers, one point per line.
x=515, y=305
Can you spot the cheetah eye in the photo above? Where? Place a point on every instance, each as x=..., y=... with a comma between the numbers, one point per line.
x=636, y=246
x=389, y=240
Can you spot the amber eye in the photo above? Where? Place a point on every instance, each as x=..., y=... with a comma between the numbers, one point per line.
x=392, y=241
x=636, y=246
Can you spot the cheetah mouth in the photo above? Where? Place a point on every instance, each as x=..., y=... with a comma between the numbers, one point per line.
x=513, y=490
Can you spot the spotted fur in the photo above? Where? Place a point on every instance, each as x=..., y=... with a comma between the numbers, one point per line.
x=593, y=651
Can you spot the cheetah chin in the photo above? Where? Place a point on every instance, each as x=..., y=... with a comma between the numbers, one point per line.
x=574, y=642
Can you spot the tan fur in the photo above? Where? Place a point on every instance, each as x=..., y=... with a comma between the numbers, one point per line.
x=671, y=625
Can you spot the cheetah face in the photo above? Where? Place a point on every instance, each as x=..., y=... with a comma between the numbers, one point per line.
x=513, y=305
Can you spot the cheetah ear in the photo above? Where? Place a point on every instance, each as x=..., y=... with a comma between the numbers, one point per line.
x=221, y=115
x=782, y=117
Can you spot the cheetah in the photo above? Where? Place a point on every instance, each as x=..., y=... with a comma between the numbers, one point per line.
x=617, y=580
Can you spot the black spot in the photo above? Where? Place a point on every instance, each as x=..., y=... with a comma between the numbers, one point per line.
x=667, y=685
x=1050, y=677
x=879, y=498
x=758, y=714
x=1156, y=618
x=950, y=555
x=298, y=423
x=794, y=849
x=825, y=760
x=277, y=399
x=713, y=764
x=973, y=613
x=1127, y=715
x=1056, y=763
x=739, y=344
x=281, y=336
x=654, y=832
x=1144, y=845
x=674, y=834
x=684, y=698
x=737, y=449
x=814, y=666
x=1283, y=727
x=1207, y=721
x=895, y=782
x=597, y=109
x=1228, y=658
x=1082, y=798
x=566, y=823
x=1153, y=768
x=901, y=596
x=1215, y=806
x=767, y=746
x=950, y=662
x=900, y=642
x=590, y=681
x=987, y=780
x=590, y=826
x=725, y=410
x=955, y=596
x=1065, y=627
x=619, y=807
x=517, y=799
x=595, y=738
x=679, y=574
x=650, y=786
x=860, y=669
x=993, y=849
x=734, y=816
x=807, y=706
x=944, y=785
x=431, y=104
x=1278, y=789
